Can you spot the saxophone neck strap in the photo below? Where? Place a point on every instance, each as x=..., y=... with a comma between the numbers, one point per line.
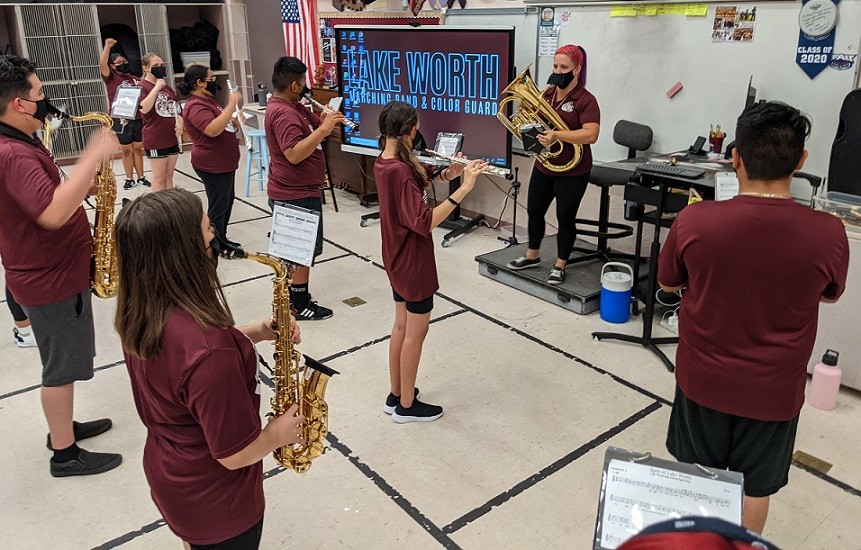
x=14, y=133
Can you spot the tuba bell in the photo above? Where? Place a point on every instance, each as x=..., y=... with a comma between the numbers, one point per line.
x=104, y=275
x=534, y=109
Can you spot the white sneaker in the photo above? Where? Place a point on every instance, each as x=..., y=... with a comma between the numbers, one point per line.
x=24, y=339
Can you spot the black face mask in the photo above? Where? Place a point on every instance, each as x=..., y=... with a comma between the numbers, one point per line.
x=561, y=80
x=159, y=72
x=42, y=107
x=123, y=68
x=213, y=88
x=306, y=92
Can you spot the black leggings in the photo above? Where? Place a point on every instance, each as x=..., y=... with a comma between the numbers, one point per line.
x=568, y=192
x=220, y=192
x=249, y=540
x=17, y=313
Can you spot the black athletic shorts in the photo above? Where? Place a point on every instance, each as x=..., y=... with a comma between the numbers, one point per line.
x=248, y=540
x=308, y=203
x=420, y=307
x=162, y=153
x=132, y=133
x=759, y=449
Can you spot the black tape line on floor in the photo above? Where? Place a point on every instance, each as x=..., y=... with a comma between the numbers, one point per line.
x=547, y=471
x=825, y=477
x=131, y=535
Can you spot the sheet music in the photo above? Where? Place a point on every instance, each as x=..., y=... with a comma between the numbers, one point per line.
x=294, y=234
x=638, y=495
x=726, y=186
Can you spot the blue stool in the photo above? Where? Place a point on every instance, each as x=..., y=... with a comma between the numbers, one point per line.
x=258, y=153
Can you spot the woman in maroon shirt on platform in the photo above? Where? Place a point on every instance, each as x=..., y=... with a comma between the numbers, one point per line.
x=162, y=125
x=579, y=110
x=194, y=375
x=406, y=222
x=215, y=148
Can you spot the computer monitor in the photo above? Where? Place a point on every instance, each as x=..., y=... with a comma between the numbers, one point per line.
x=751, y=94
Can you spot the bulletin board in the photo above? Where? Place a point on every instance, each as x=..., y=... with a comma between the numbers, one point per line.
x=328, y=21
x=634, y=61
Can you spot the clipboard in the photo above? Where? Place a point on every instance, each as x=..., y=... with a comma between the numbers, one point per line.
x=126, y=102
x=638, y=490
x=294, y=233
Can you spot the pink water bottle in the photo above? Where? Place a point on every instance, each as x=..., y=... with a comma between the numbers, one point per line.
x=826, y=382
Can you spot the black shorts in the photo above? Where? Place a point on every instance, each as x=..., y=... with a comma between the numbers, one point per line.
x=309, y=203
x=759, y=449
x=132, y=133
x=162, y=153
x=247, y=540
x=420, y=307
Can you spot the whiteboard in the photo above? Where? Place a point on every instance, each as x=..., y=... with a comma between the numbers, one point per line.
x=634, y=61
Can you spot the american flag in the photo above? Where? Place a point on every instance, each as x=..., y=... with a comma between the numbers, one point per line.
x=300, y=33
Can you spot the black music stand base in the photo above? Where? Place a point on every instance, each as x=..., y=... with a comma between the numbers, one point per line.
x=458, y=227
x=648, y=343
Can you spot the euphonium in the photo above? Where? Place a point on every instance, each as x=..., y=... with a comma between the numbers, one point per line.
x=104, y=276
x=305, y=386
x=534, y=109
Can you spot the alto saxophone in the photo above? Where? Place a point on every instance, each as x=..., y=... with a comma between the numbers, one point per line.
x=305, y=386
x=104, y=274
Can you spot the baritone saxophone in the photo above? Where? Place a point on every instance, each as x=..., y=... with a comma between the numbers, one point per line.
x=104, y=274
x=294, y=383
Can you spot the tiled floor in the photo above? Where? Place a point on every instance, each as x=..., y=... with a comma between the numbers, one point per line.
x=523, y=384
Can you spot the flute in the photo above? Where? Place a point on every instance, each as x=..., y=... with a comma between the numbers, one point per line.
x=327, y=110
x=491, y=170
x=239, y=116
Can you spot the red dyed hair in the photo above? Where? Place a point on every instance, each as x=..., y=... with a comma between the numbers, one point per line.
x=578, y=57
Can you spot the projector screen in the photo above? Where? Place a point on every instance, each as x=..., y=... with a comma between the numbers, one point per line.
x=452, y=76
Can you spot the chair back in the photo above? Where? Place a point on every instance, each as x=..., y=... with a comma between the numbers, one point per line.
x=636, y=137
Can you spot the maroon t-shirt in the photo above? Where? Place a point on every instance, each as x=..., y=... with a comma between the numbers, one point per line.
x=576, y=109
x=159, y=124
x=216, y=155
x=114, y=81
x=755, y=269
x=43, y=266
x=200, y=401
x=287, y=123
x=405, y=224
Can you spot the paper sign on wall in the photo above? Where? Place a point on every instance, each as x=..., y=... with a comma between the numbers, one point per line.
x=734, y=24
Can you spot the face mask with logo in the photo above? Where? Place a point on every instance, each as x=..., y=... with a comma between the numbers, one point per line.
x=213, y=88
x=561, y=80
x=42, y=108
x=159, y=72
x=123, y=68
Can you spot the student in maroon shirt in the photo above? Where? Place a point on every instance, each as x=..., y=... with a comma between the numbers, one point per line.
x=162, y=125
x=406, y=222
x=193, y=375
x=579, y=110
x=297, y=168
x=115, y=71
x=754, y=269
x=215, y=147
x=46, y=248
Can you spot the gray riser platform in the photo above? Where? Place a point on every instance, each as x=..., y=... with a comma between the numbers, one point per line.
x=580, y=293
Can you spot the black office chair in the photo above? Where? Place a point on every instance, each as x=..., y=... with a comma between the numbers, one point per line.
x=636, y=137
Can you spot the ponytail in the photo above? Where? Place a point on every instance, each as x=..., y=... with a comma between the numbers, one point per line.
x=578, y=58
x=397, y=119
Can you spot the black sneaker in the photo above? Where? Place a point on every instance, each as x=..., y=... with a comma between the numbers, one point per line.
x=523, y=263
x=86, y=464
x=145, y=182
x=419, y=412
x=392, y=402
x=85, y=430
x=557, y=276
x=129, y=184
x=314, y=312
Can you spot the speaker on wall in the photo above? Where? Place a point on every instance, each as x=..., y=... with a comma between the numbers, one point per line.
x=844, y=169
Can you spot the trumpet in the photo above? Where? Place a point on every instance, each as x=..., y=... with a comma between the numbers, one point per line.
x=325, y=108
x=491, y=170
